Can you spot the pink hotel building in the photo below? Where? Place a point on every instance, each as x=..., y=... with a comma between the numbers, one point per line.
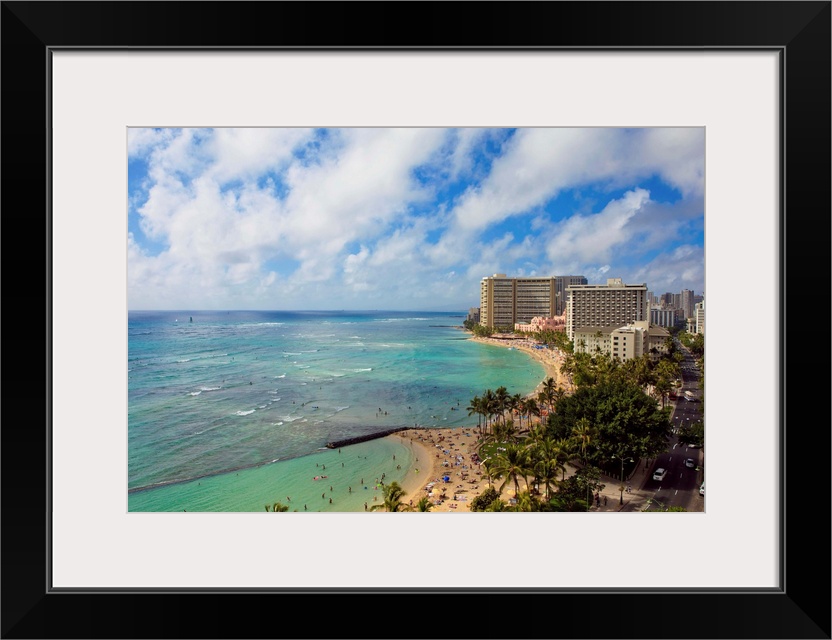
x=558, y=323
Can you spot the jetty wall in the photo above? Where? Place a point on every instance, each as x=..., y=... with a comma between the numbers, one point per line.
x=366, y=437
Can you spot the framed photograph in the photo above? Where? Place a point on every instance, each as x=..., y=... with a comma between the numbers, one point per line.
x=91, y=87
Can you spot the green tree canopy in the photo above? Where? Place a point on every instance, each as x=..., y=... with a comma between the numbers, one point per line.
x=692, y=434
x=624, y=418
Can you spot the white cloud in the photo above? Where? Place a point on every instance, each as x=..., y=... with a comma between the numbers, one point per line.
x=681, y=268
x=539, y=163
x=595, y=237
x=244, y=154
x=141, y=140
x=291, y=218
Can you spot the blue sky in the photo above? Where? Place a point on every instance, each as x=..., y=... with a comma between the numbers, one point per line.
x=406, y=219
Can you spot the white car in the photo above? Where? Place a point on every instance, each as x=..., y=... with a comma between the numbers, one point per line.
x=702, y=489
x=659, y=474
x=690, y=463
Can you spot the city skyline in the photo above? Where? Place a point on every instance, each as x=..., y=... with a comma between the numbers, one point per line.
x=408, y=218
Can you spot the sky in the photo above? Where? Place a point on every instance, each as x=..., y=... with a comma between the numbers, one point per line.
x=405, y=218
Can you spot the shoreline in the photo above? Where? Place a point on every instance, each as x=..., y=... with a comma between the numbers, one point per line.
x=550, y=359
x=433, y=448
x=456, y=445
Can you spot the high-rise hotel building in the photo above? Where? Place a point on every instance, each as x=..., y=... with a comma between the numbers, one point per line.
x=686, y=303
x=613, y=304
x=506, y=301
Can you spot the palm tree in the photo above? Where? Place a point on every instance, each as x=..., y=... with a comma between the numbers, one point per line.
x=536, y=435
x=488, y=403
x=521, y=411
x=489, y=466
x=476, y=407
x=526, y=502
x=532, y=409
x=546, y=470
x=549, y=384
x=663, y=388
x=515, y=404
x=393, y=495
x=544, y=398
x=584, y=434
x=568, y=368
x=502, y=432
x=501, y=397
x=511, y=463
x=563, y=451
x=644, y=372
x=424, y=505
x=277, y=507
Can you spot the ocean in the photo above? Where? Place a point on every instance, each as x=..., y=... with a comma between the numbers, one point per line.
x=232, y=410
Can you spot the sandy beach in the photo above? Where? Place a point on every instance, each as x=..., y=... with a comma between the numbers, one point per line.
x=448, y=452
x=440, y=453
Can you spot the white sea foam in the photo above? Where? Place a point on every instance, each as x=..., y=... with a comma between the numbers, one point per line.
x=283, y=376
x=262, y=406
x=210, y=388
x=244, y=413
x=194, y=393
x=185, y=360
x=361, y=370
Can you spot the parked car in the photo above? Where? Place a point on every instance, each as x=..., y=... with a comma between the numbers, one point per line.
x=702, y=489
x=659, y=474
x=690, y=463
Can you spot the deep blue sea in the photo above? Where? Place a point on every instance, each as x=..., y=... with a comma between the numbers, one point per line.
x=232, y=410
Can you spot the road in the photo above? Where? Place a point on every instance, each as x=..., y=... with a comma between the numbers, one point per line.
x=680, y=487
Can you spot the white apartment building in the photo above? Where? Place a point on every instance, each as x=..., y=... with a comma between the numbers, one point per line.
x=699, y=314
x=665, y=317
x=623, y=343
x=612, y=305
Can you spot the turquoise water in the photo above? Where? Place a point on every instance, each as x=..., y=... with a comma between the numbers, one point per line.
x=229, y=411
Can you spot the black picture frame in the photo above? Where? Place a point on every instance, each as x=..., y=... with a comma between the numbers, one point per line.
x=799, y=31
